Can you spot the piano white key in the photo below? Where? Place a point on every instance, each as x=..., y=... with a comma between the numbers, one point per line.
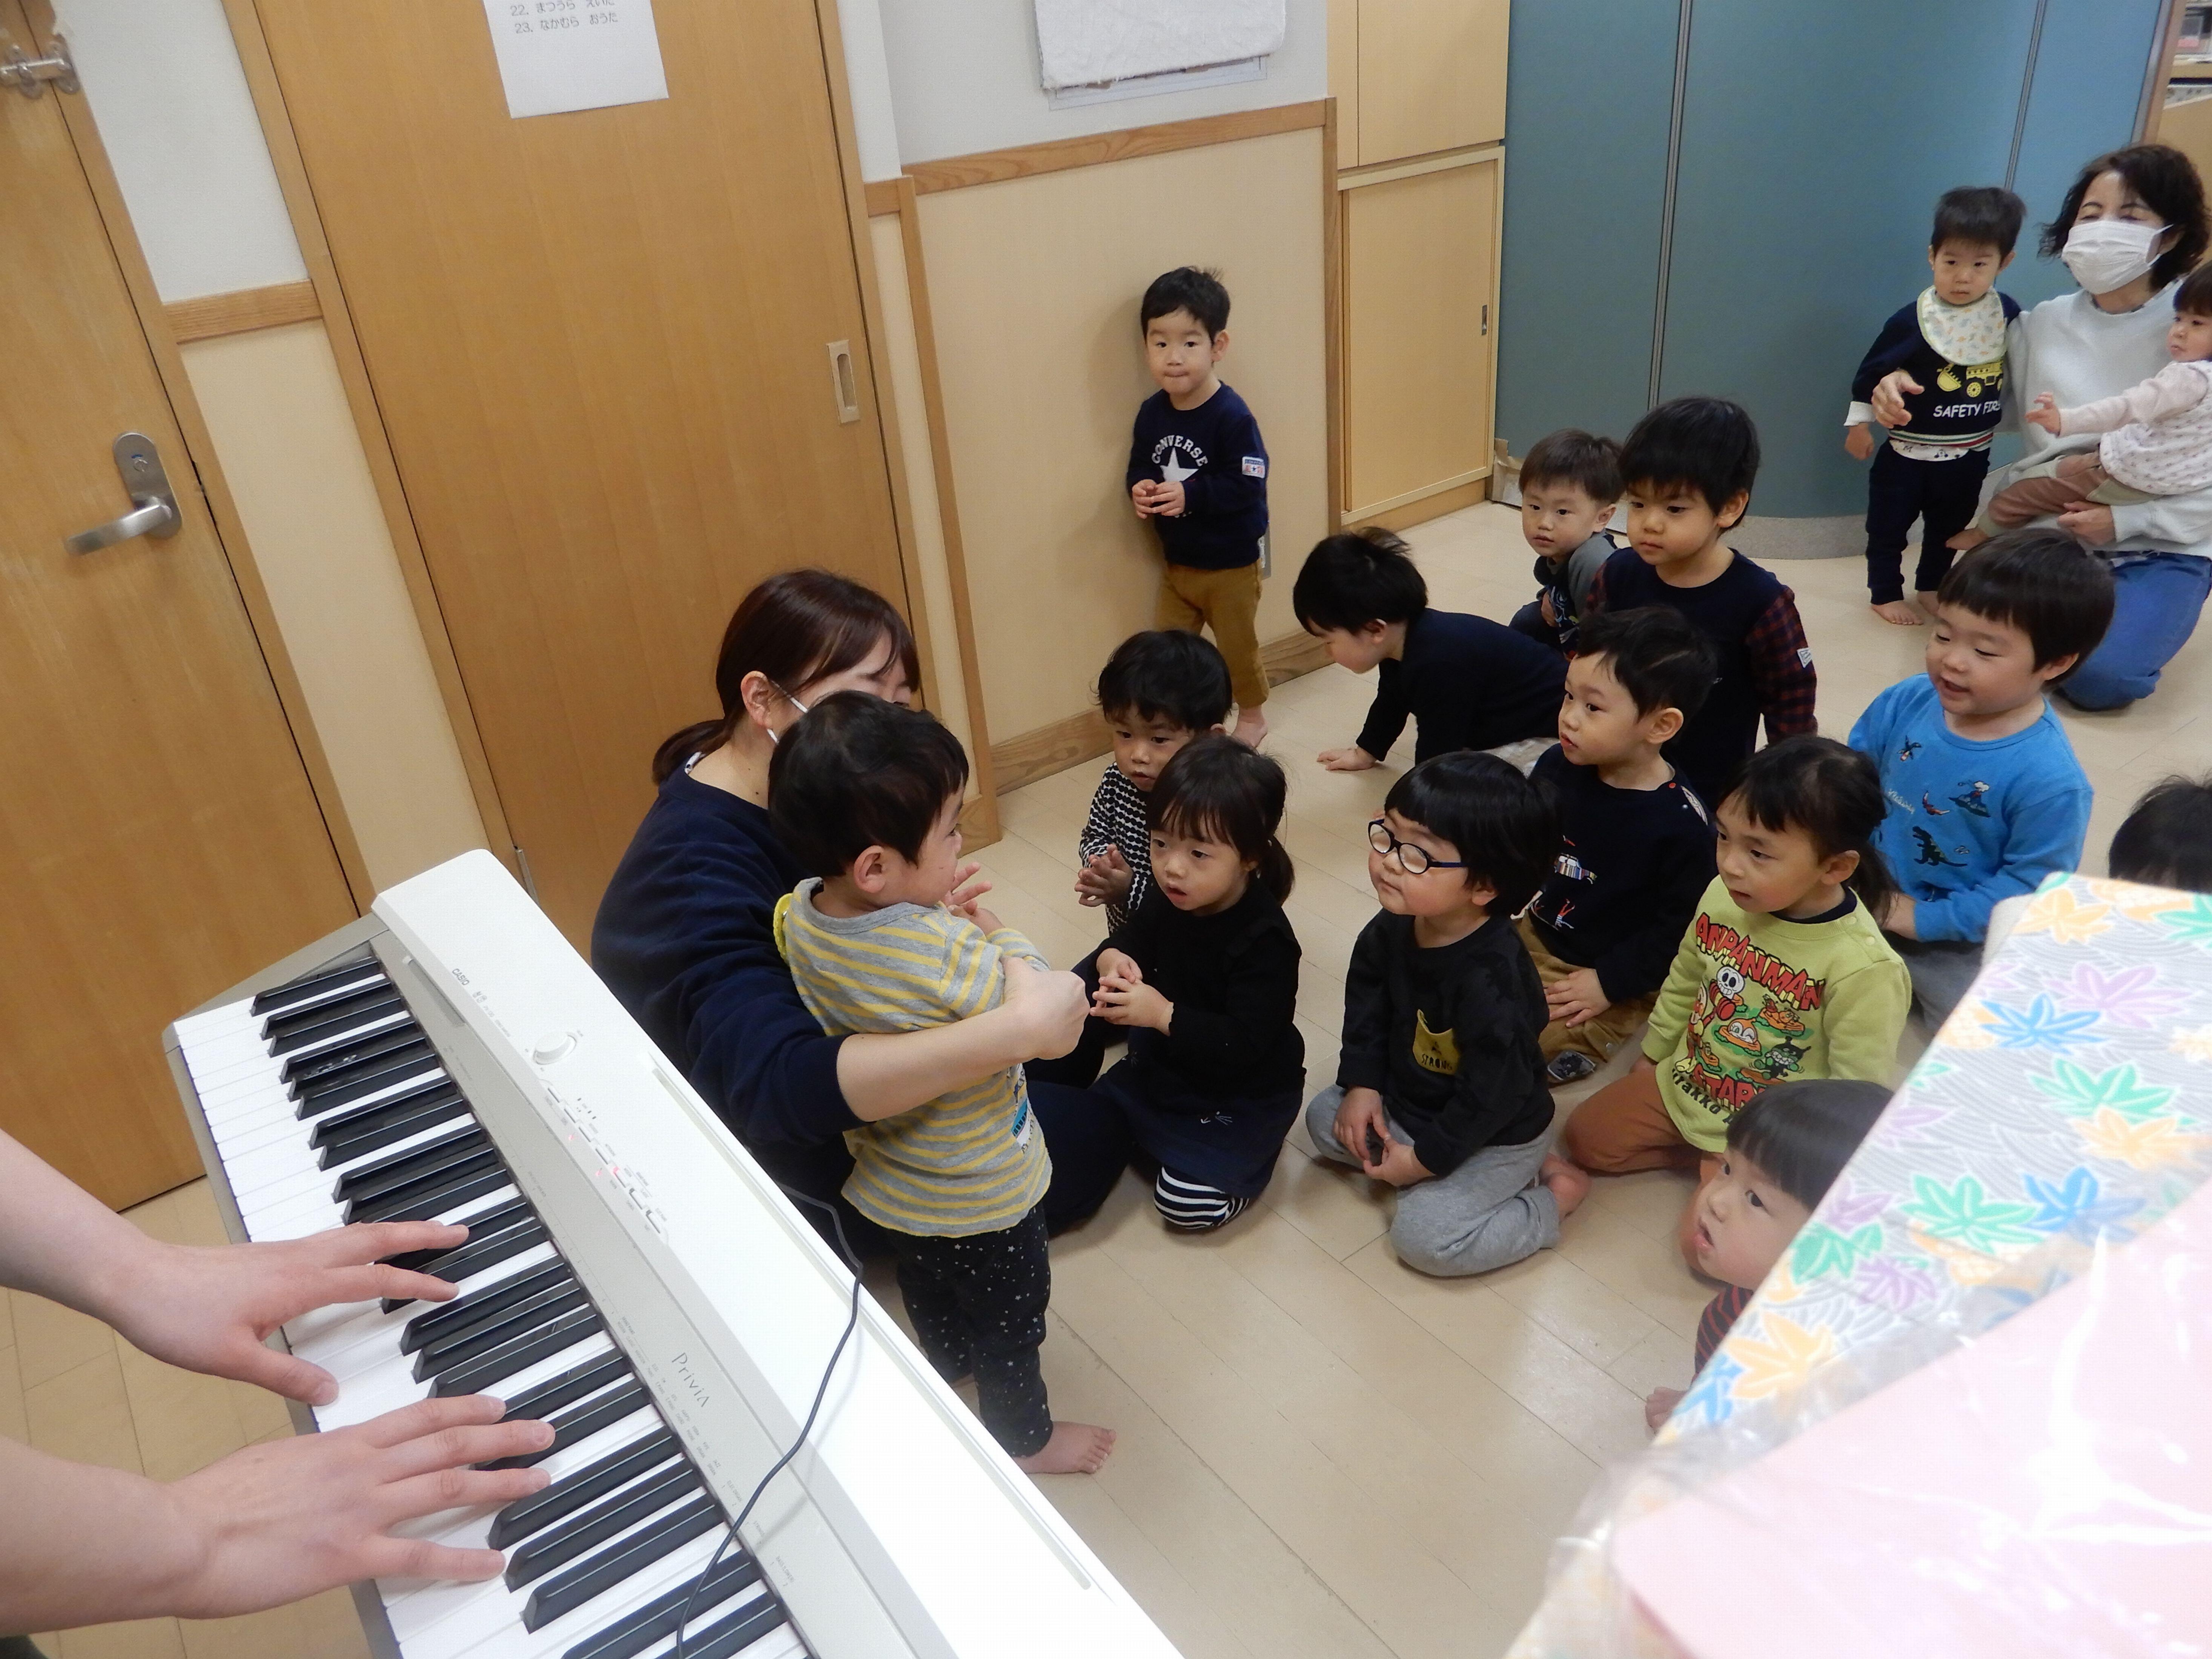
x=392, y=1387
x=705, y=1619
x=272, y=1177
x=346, y=1348
x=702, y=1618
x=471, y=1614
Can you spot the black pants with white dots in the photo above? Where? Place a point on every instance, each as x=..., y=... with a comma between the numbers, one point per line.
x=978, y=1305
x=1941, y=494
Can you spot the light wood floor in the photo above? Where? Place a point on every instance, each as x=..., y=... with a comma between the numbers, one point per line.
x=1321, y=1453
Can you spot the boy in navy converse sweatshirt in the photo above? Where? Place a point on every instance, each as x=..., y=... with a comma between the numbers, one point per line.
x=1197, y=474
x=1952, y=341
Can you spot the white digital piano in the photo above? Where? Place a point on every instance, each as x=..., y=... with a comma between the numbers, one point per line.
x=632, y=1277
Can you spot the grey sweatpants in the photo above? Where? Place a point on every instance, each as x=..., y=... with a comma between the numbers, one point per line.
x=1484, y=1214
x=1942, y=971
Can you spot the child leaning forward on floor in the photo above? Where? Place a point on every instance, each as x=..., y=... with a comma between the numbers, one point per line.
x=1440, y=1088
x=1204, y=978
x=866, y=794
x=1636, y=844
x=1785, y=1152
x=1783, y=974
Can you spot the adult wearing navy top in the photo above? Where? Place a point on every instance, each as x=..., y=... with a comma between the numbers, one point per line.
x=684, y=936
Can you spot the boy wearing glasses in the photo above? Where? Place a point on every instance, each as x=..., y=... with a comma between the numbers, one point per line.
x=1440, y=1088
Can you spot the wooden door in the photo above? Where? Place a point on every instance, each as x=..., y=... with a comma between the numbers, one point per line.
x=158, y=837
x=1420, y=336
x=600, y=345
x=1422, y=75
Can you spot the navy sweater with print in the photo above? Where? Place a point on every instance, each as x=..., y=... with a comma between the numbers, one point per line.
x=1215, y=449
x=1965, y=411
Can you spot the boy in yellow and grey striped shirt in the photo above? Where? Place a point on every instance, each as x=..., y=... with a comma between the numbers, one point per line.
x=867, y=795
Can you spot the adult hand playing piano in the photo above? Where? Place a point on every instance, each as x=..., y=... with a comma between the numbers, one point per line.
x=272, y=1523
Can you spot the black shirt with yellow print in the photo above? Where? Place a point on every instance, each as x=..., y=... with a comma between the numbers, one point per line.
x=1448, y=1036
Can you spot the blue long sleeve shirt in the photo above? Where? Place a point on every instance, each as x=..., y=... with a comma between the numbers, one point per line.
x=1216, y=453
x=1969, y=822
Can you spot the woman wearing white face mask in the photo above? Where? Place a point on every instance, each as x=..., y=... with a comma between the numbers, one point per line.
x=2133, y=224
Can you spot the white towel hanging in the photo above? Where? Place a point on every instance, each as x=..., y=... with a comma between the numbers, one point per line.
x=1087, y=42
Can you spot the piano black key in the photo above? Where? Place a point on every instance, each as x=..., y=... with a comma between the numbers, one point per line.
x=566, y=1389
x=326, y=1063
x=640, y=1627
x=452, y=1318
x=488, y=1241
x=501, y=1362
x=396, y=1169
x=556, y=1547
x=312, y=1026
x=388, y=1071
x=580, y=1423
x=421, y=1203
x=342, y=1139
x=310, y=986
x=733, y=1635
x=496, y=1330
x=574, y=1490
x=596, y=1575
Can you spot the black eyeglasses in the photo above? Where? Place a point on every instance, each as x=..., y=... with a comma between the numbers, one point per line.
x=1413, y=859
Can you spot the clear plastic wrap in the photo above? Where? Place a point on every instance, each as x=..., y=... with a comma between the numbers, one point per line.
x=1884, y=1455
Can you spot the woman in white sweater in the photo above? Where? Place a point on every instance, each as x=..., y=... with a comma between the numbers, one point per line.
x=2131, y=226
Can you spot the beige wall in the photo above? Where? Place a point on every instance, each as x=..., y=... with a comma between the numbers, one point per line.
x=288, y=447
x=1034, y=284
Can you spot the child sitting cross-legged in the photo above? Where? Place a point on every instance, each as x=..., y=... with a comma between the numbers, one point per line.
x=1986, y=796
x=1785, y=1152
x=1204, y=978
x=1469, y=682
x=866, y=794
x=1782, y=974
x=1636, y=844
x=1440, y=1088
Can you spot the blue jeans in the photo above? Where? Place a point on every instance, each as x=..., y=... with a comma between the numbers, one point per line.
x=2155, y=602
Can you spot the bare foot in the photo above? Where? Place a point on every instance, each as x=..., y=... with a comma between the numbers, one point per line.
x=1568, y=1182
x=1074, y=1449
x=1659, y=1405
x=1967, y=540
x=1901, y=613
x=1251, y=727
x=1925, y=599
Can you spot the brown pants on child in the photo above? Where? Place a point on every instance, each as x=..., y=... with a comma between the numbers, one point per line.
x=1625, y=1127
x=1228, y=601
x=1600, y=1038
x=2054, y=486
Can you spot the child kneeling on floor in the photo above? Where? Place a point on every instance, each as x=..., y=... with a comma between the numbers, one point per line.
x=1440, y=1088
x=1783, y=972
x=1785, y=1152
x=866, y=794
x=1204, y=978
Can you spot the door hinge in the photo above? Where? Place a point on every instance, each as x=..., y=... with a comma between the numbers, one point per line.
x=29, y=75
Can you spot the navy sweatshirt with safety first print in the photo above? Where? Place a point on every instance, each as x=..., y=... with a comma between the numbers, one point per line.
x=1215, y=452
x=1957, y=403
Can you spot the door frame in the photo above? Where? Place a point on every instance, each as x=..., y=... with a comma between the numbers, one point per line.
x=155, y=326
x=957, y=656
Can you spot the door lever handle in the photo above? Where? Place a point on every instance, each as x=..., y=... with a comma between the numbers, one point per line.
x=154, y=504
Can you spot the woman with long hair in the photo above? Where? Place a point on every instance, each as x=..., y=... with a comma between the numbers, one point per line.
x=685, y=935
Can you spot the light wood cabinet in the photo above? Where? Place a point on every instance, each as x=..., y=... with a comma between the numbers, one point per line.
x=1415, y=78
x=1420, y=331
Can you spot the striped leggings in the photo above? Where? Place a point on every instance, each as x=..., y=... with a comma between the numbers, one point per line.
x=1192, y=1207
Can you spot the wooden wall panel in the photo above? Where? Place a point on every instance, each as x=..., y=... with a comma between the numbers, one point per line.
x=1431, y=76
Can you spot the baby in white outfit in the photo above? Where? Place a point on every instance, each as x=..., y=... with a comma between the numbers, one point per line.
x=2158, y=434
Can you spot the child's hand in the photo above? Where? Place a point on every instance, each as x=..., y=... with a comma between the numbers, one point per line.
x=968, y=886
x=1889, y=395
x=1104, y=878
x=1659, y=1405
x=1398, y=1166
x=1140, y=496
x=1351, y=758
x=1577, y=998
x=2043, y=412
x=1897, y=917
x=1544, y=609
x=1127, y=1000
x=1119, y=966
x=1858, y=441
x=983, y=919
x=1359, y=1115
x=1168, y=500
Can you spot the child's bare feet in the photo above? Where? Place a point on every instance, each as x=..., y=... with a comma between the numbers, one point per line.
x=1251, y=727
x=1074, y=1449
x=1659, y=1405
x=1901, y=613
x=1568, y=1182
x=1967, y=540
x=1925, y=599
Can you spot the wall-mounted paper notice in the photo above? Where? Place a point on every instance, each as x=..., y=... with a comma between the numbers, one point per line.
x=557, y=55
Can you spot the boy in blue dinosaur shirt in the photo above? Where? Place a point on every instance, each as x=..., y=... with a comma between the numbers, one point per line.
x=1198, y=475
x=1985, y=797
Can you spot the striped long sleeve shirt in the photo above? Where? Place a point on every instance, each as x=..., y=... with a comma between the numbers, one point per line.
x=971, y=1161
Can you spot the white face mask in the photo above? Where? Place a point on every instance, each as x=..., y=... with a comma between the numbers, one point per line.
x=2104, y=254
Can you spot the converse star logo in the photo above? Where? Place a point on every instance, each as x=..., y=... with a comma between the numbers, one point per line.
x=1172, y=471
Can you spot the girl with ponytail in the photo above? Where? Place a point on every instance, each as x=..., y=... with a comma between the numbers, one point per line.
x=1204, y=979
